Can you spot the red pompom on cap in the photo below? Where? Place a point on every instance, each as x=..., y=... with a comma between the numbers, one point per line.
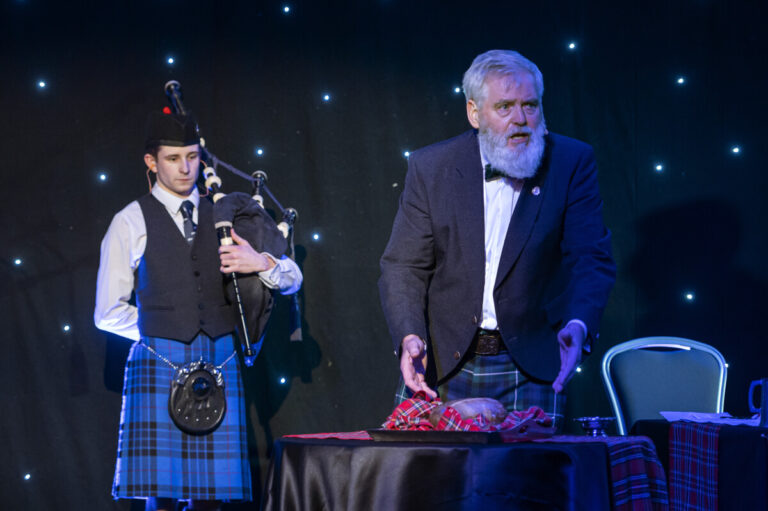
x=166, y=110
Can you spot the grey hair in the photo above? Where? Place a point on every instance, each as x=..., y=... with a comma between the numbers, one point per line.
x=503, y=62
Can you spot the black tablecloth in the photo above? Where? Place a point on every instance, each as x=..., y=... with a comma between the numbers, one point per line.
x=331, y=474
x=742, y=462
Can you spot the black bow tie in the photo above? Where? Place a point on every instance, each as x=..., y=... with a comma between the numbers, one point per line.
x=491, y=173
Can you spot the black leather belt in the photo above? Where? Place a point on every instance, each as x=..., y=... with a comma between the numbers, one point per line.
x=487, y=342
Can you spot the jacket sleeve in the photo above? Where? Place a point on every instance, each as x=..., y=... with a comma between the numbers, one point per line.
x=588, y=270
x=408, y=261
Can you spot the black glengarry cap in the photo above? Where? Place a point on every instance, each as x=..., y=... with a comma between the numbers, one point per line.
x=171, y=130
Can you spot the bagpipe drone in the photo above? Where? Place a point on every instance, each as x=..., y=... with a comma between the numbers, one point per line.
x=246, y=214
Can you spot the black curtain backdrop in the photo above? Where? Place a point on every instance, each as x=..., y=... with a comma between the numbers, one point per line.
x=255, y=76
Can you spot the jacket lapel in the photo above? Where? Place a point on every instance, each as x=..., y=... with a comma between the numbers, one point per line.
x=467, y=191
x=524, y=218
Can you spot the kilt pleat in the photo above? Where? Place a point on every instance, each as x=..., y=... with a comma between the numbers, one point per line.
x=154, y=457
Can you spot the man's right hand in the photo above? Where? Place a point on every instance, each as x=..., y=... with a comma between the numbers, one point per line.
x=413, y=363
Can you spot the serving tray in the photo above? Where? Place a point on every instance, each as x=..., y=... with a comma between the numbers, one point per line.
x=525, y=431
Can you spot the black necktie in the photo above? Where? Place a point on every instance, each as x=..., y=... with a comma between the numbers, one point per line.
x=189, y=225
x=491, y=173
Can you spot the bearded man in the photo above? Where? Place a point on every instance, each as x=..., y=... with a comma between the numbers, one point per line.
x=499, y=264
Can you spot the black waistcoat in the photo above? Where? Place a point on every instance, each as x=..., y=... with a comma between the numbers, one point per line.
x=179, y=288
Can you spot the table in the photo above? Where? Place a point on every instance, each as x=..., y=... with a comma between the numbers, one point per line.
x=569, y=473
x=722, y=467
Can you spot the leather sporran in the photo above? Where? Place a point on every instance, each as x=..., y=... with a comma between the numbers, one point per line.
x=197, y=403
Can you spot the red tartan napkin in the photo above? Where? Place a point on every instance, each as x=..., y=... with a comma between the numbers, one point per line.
x=413, y=415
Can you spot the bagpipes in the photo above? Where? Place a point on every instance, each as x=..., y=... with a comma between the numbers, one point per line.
x=246, y=213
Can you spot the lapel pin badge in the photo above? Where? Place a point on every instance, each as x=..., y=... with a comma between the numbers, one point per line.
x=536, y=190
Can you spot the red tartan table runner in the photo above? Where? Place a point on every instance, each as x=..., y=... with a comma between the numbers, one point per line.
x=693, y=462
x=637, y=476
x=348, y=435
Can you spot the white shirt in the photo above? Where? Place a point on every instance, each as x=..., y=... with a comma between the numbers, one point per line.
x=122, y=249
x=499, y=200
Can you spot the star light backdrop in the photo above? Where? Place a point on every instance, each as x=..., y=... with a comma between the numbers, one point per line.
x=329, y=100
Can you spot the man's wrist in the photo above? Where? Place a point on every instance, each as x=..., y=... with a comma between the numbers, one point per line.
x=586, y=345
x=410, y=337
x=271, y=262
x=581, y=324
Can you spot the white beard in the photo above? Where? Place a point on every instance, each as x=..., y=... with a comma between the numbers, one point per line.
x=518, y=163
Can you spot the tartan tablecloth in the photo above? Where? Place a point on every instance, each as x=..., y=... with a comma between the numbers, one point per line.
x=711, y=466
x=693, y=469
x=637, y=476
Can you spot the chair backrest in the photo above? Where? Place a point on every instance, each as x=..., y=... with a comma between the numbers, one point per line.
x=653, y=374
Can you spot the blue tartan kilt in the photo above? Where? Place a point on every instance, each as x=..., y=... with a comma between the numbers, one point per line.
x=496, y=377
x=157, y=459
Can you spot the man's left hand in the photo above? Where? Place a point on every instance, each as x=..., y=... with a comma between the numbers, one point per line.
x=242, y=257
x=571, y=340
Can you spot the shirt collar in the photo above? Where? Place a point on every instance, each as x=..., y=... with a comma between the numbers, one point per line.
x=483, y=162
x=511, y=181
x=173, y=203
